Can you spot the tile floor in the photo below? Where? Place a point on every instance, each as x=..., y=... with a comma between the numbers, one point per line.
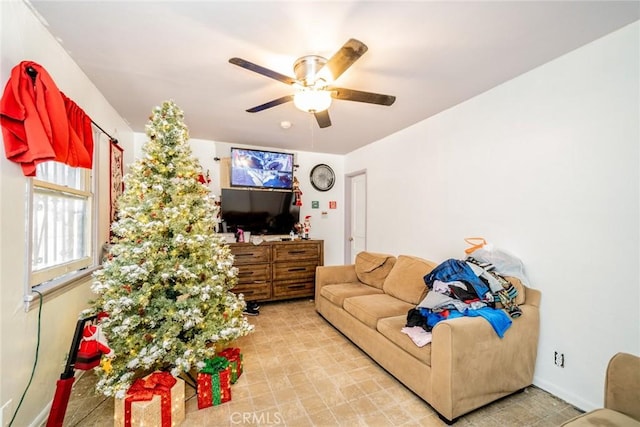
x=299, y=371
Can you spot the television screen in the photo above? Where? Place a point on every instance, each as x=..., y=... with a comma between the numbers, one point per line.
x=258, y=211
x=261, y=169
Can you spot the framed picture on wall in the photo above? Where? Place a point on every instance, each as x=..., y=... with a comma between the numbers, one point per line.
x=116, y=182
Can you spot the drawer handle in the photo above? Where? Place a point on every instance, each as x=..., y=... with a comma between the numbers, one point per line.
x=297, y=269
x=296, y=286
x=297, y=252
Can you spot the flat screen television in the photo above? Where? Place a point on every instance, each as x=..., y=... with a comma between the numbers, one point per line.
x=258, y=211
x=261, y=169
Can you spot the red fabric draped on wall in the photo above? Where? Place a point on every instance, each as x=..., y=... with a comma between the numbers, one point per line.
x=39, y=123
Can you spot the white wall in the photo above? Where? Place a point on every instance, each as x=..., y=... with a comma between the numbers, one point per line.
x=545, y=166
x=23, y=37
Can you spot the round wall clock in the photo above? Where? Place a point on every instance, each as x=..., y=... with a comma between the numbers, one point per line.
x=322, y=177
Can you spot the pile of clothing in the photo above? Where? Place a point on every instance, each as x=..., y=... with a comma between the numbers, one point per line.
x=460, y=288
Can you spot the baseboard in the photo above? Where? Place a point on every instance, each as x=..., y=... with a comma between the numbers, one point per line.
x=42, y=417
x=565, y=395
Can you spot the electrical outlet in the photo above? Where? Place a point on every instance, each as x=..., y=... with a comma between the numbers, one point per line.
x=558, y=359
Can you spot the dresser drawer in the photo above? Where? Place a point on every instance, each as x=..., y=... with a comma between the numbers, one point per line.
x=293, y=289
x=301, y=270
x=295, y=251
x=247, y=253
x=254, y=273
x=254, y=291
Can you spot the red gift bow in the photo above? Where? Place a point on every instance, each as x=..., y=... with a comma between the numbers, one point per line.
x=144, y=389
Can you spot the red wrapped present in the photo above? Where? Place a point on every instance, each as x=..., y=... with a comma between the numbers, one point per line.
x=233, y=355
x=214, y=382
x=155, y=400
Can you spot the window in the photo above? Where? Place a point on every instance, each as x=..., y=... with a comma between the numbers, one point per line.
x=62, y=226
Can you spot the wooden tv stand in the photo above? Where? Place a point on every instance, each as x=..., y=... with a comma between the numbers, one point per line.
x=274, y=271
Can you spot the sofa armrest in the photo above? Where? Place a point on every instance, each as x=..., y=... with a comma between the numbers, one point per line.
x=532, y=296
x=622, y=386
x=471, y=365
x=332, y=274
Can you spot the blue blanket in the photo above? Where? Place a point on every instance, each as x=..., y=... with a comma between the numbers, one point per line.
x=498, y=319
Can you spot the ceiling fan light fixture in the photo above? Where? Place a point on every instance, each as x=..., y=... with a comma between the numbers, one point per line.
x=312, y=100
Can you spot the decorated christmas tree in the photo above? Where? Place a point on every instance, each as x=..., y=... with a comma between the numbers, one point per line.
x=165, y=285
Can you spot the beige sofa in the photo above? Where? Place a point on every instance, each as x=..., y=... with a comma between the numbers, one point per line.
x=465, y=366
x=621, y=396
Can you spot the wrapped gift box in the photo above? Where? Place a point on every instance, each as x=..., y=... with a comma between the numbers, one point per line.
x=234, y=356
x=155, y=400
x=214, y=382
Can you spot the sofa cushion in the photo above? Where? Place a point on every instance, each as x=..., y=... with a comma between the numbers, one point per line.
x=338, y=292
x=373, y=268
x=406, y=279
x=391, y=328
x=370, y=308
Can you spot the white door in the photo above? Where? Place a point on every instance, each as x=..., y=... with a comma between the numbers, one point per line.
x=357, y=216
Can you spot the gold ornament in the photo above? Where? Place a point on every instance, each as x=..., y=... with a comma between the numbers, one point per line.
x=105, y=363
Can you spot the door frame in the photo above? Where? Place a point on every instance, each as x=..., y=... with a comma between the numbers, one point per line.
x=347, y=216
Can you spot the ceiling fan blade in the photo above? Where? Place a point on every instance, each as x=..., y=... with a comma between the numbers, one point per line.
x=270, y=104
x=360, y=96
x=345, y=57
x=264, y=71
x=323, y=119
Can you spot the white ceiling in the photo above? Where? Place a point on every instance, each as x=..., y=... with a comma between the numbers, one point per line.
x=431, y=55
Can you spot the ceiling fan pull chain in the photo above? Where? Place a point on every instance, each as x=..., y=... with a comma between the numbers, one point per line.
x=313, y=134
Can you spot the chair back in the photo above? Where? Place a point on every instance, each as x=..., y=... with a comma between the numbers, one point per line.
x=622, y=386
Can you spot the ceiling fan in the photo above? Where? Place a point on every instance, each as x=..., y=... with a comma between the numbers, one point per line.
x=313, y=88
